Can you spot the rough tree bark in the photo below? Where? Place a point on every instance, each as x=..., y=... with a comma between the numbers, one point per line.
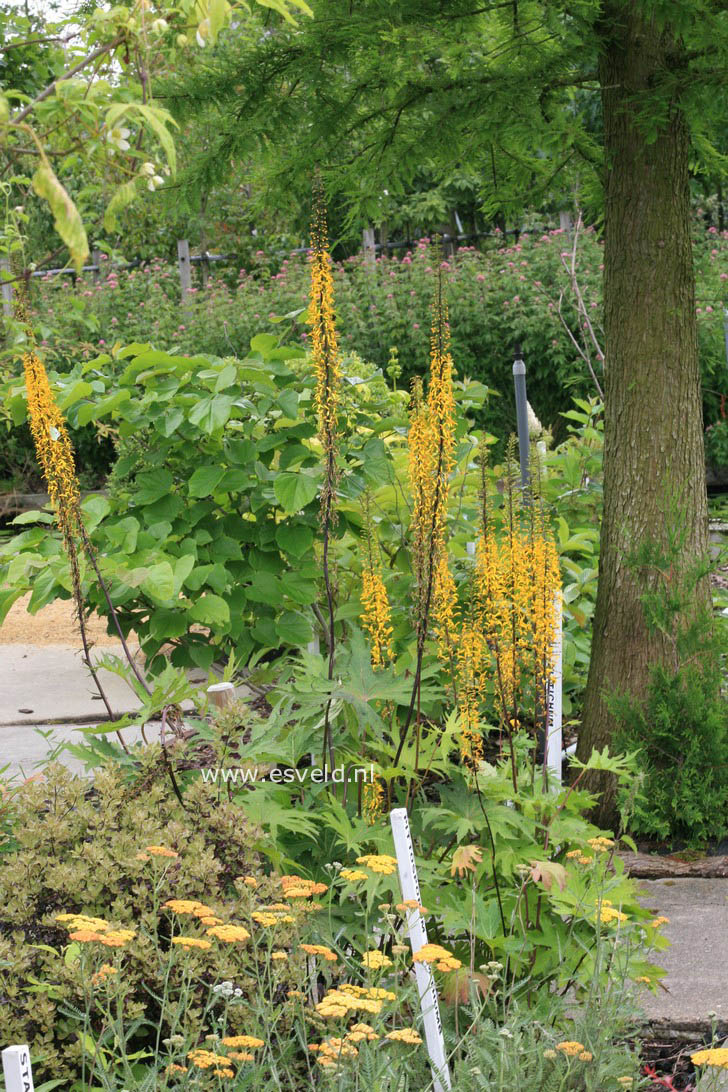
x=653, y=411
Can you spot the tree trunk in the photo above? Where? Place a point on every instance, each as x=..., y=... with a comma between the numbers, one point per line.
x=653, y=442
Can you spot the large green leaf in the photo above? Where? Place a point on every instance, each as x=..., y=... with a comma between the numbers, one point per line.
x=294, y=538
x=203, y=481
x=294, y=491
x=211, y=413
x=210, y=610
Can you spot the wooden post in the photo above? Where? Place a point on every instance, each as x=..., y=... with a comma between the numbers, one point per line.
x=368, y=247
x=185, y=270
x=96, y=260
x=565, y=221
x=7, y=289
x=221, y=694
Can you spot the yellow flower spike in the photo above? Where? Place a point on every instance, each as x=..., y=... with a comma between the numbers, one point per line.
x=325, y=353
x=376, y=613
x=372, y=801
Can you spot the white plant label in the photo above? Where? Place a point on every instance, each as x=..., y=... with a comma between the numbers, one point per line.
x=554, y=740
x=17, y=1069
x=426, y=988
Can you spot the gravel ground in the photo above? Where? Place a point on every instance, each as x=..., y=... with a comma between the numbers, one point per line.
x=53, y=625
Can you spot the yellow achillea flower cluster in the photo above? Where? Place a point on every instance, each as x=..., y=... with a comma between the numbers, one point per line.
x=320, y=950
x=715, y=1056
x=380, y=863
x=189, y=906
x=411, y=904
x=350, y=998
x=105, y=971
x=375, y=960
x=87, y=930
x=657, y=922
x=435, y=953
x=249, y=1042
x=192, y=942
x=229, y=934
x=218, y=1064
x=353, y=875
x=268, y=918
x=571, y=1048
x=601, y=844
x=160, y=851
x=404, y=1035
x=608, y=915
x=296, y=887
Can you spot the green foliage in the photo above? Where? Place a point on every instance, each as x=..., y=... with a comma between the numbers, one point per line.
x=206, y=536
x=73, y=847
x=681, y=730
x=680, y=727
x=716, y=444
x=518, y=1049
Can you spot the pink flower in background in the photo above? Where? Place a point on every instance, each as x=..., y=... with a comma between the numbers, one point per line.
x=181, y=326
x=101, y=341
x=709, y=308
x=415, y=325
x=516, y=299
x=114, y=321
x=724, y=276
x=480, y=277
x=712, y=231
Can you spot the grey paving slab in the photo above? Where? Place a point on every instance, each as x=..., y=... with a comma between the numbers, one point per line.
x=697, y=961
x=39, y=685
x=25, y=748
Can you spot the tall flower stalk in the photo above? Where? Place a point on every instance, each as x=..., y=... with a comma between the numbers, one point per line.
x=431, y=443
x=376, y=613
x=327, y=366
x=55, y=455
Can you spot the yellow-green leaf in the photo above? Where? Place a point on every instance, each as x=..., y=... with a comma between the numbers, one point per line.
x=123, y=197
x=66, y=218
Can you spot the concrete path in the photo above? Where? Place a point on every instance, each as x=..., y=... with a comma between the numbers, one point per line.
x=697, y=961
x=47, y=696
x=43, y=685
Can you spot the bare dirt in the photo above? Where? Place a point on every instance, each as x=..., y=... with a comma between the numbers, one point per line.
x=53, y=625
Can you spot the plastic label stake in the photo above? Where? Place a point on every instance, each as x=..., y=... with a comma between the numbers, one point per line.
x=554, y=740
x=426, y=988
x=17, y=1070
